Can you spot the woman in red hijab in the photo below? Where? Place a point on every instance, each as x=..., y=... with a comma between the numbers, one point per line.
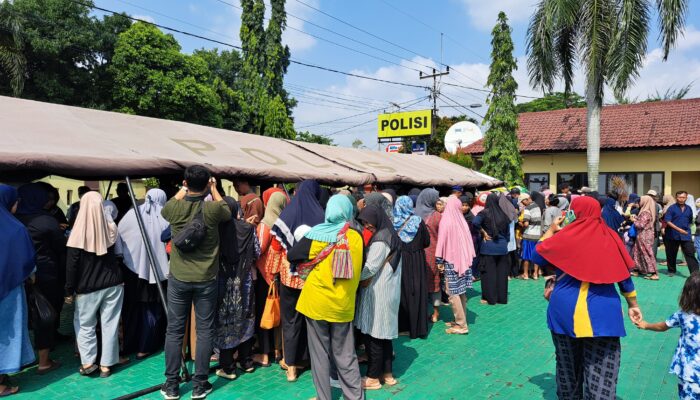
x=584, y=312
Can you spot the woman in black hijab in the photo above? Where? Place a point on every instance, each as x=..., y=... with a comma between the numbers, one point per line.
x=235, y=320
x=494, y=224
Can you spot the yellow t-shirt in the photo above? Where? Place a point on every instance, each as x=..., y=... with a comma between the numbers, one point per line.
x=322, y=299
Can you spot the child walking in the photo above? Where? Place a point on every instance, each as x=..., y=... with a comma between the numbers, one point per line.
x=686, y=361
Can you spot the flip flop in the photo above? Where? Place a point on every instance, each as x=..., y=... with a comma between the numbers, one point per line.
x=375, y=386
x=105, y=374
x=88, y=371
x=9, y=391
x=44, y=371
x=391, y=381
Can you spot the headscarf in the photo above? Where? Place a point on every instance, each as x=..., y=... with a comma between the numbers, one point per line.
x=304, y=211
x=633, y=198
x=274, y=205
x=92, y=232
x=690, y=202
x=33, y=197
x=563, y=203
x=507, y=207
x=467, y=199
x=538, y=198
x=266, y=194
x=325, y=196
x=235, y=234
x=338, y=214
x=480, y=203
x=455, y=243
x=111, y=210
x=391, y=193
x=425, y=205
x=610, y=214
x=17, y=257
x=380, y=201
x=132, y=245
x=648, y=204
x=668, y=201
x=587, y=249
x=405, y=222
x=496, y=221
x=413, y=194
x=384, y=232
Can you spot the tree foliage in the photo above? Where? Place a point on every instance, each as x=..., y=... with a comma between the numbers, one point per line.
x=13, y=64
x=153, y=78
x=501, y=154
x=552, y=101
x=313, y=138
x=462, y=159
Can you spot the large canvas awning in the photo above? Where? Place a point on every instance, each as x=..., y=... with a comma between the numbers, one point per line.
x=48, y=139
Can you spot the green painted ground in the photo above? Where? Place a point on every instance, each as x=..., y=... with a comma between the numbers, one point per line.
x=507, y=355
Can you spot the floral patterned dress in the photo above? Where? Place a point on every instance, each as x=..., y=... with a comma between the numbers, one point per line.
x=643, y=250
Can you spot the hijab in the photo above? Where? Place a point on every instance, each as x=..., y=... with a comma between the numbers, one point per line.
x=274, y=205
x=413, y=195
x=690, y=202
x=633, y=198
x=379, y=200
x=304, y=211
x=392, y=195
x=507, y=207
x=538, y=198
x=384, y=232
x=33, y=198
x=237, y=236
x=480, y=203
x=339, y=212
x=610, y=215
x=406, y=223
x=563, y=203
x=93, y=232
x=455, y=243
x=648, y=204
x=324, y=198
x=465, y=199
x=496, y=221
x=668, y=201
x=18, y=257
x=425, y=204
x=132, y=245
x=269, y=192
x=587, y=249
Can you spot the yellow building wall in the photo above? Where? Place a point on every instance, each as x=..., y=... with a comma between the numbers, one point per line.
x=68, y=189
x=666, y=161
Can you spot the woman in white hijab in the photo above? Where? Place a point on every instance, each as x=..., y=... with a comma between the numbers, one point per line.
x=143, y=316
x=94, y=281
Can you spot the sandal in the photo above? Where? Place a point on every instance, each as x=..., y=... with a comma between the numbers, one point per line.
x=457, y=331
x=9, y=390
x=87, y=371
x=105, y=374
x=450, y=324
x=374, y=386
x=44, y=371
x=390, y=381
x=258, y=362
x=653, y=277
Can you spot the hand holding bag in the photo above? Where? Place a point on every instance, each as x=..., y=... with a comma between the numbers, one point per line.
x=549, y=285
x=271, y=315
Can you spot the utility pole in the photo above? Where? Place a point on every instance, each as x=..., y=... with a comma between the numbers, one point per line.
x=434, y=94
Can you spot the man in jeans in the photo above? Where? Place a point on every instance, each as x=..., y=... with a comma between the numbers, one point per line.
x=193, y=279
x=678, y=219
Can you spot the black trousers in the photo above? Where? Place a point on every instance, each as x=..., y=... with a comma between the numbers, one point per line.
x=293, y=327
x=266, y=337
x=379, y=357
x=181, y=297
x=688, y=250
x=53, y=290
x=587, y=368
x=494, y=278
x=226, y=360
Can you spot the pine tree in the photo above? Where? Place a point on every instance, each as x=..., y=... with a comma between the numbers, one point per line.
x=502, y=158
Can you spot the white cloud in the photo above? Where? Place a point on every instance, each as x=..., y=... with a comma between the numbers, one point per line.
x=484, y=14
x=146, y=18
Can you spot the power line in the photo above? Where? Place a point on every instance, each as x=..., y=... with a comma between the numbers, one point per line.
x=328, y=100
x=339, y=94
x=461, y=106
x=368, y=121
x=358, y=76
x=485, y=90
x=358, y=115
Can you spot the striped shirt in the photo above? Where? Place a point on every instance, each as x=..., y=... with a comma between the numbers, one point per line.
x=378, y=310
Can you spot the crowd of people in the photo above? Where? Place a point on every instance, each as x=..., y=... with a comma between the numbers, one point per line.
x=327, y=279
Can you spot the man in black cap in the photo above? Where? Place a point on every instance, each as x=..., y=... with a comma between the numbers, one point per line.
x=513, y=196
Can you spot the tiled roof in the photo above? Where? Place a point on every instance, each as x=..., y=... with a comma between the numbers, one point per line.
x=660, y=124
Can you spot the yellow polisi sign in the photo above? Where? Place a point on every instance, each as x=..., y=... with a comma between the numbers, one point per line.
x=410, y=123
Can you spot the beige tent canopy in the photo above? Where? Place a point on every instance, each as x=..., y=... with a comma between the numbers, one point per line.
x=42, y=139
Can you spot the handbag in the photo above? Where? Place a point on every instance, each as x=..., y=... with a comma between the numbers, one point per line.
x=42, y=313
x=632, y=232
x=549, y=286
x=271, y=315
x=193, y=233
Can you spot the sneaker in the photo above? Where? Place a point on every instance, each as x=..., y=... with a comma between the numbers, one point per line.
x=201, y=391
x=171, y=392
x=335, y=383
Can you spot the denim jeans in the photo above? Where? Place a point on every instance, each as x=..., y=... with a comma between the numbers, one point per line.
x=181, y=296
x=697, y=245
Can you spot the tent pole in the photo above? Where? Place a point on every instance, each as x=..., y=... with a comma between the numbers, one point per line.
x=109, y=189
x=154, y=271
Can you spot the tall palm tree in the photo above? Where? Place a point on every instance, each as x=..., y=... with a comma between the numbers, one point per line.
x=12, y=61
x=609, y=38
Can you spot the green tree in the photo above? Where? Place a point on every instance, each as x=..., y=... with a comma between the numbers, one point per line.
x=436, y=144
x=313, y=138
x=277, y=55
x=225, y=70
x=462, y=159
x=357, y=143
x=13, y=64
x=609, y=37
x=153, y=78
x=552, y=101
x=501, y=154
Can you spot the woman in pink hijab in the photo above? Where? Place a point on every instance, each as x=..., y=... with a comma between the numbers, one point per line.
x=455, y=254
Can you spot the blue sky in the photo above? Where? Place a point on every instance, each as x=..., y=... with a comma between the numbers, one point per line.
x=413, y=27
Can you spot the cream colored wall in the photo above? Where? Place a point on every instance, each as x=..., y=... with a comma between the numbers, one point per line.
x=65, y=184
x=666, y=161
x=688, y=181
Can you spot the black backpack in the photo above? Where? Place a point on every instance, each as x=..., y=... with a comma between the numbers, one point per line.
x=193, y=233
